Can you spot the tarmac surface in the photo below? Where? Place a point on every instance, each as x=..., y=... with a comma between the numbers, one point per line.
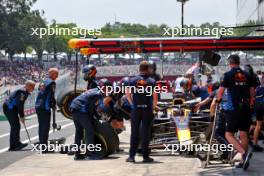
x=7, y=158
x=30, y=163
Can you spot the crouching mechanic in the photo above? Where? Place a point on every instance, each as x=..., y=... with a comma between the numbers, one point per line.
x=83, y=110
x=14, y=111
x=44, y=103
x=142, y=104
x=240, y=98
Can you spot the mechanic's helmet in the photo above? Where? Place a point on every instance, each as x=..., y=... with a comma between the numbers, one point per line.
x=89, y=71
x=104, y=82
x=153, y=65
x=185, y=83
x=106, y=85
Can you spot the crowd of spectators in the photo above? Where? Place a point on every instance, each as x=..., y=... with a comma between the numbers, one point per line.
x=16, y=72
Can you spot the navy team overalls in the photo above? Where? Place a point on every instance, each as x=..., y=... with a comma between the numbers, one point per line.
x=44, y=103
x=142, y=114
x=83, y=109
x=92, y=84
x=237, y=112
x=13, y=107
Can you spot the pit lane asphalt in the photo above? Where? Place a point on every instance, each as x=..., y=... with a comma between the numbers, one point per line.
x=165, y=165
x=7, y=158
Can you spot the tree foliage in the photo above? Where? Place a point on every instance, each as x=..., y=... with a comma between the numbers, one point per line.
x=17, y=20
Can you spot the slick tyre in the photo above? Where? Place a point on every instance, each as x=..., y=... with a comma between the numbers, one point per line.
x=107, y=138
x=64, y=100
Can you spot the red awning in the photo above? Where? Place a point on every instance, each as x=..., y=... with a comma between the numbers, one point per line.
x=147, y=45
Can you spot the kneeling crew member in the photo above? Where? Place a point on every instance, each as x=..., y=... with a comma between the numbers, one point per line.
x=83, y=110
x=142, y=105
x=44, y=103
x=14, y=111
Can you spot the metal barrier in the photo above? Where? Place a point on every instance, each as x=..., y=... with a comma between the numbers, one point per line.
x=2, y=99
x=63, y=81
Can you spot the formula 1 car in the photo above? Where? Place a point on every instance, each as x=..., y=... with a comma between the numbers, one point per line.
x=176, y=123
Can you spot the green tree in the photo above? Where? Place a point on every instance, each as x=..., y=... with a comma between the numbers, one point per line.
x=244, y=31
x=13, y=38
x=59, y=43
x=35, y=20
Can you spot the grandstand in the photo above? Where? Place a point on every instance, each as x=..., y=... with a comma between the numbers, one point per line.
x=13, y=73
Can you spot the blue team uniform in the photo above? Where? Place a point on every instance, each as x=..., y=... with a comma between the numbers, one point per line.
x=142, y=113
x=44, y=103
x=83, y=109
x=13, y=109
x=237, y=106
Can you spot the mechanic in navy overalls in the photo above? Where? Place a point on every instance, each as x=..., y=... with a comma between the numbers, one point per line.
x=142, y=112
x=240, y=100
x=44, y=103
x=83, y=110
x=14, y=112
x=89, y=75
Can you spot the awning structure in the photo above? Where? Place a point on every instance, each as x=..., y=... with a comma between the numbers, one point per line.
x=150, y=45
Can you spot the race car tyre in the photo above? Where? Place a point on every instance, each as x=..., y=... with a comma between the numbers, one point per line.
x=64, y=100
x=107, y=137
